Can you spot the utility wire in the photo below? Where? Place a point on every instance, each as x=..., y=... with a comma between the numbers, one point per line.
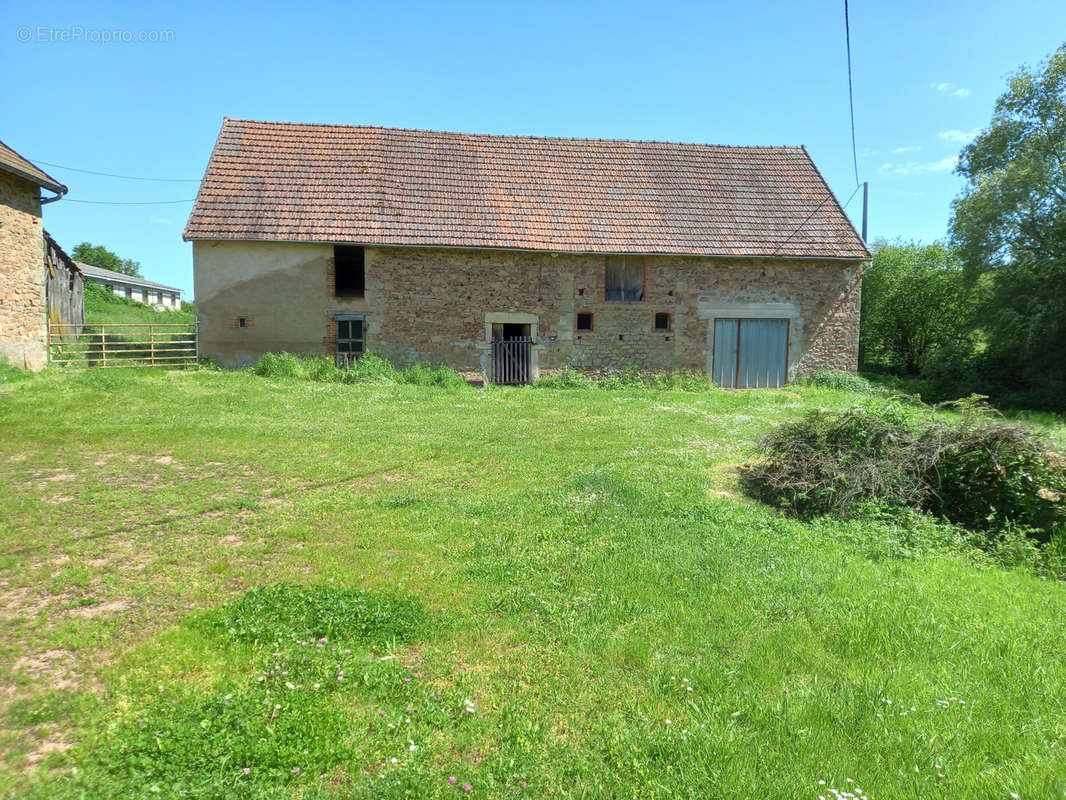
x=112, y=175
x=851, y=94
x=818, y=207
x=128, y=203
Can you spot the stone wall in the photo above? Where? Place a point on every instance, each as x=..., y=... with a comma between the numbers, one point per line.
x=23, y=315
x=434, y=305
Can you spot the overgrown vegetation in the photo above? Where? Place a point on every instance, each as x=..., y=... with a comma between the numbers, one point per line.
x=368, y=368
x=103, y=305
x=985, y=314
x=627, y=378
x=844, y=381
x=983, y=474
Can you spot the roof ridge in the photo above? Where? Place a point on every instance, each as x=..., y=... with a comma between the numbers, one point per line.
x=790, y=147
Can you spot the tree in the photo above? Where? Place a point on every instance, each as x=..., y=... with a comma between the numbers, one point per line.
x=1010, y=223
x=99, y=256
x=914, y=303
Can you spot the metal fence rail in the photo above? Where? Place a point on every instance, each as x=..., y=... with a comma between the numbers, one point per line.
x=122, y=344
x=511, y=361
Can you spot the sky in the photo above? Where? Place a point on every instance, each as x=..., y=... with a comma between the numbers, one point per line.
x=138, y=89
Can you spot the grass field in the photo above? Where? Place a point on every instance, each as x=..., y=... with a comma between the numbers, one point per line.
x=530, y=593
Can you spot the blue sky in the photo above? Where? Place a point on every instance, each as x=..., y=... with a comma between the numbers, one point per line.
x=926, y=76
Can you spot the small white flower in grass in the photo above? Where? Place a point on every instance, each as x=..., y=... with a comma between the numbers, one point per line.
x=290, y=685
x=668, y=722
x=411, y=745
x=394, y=760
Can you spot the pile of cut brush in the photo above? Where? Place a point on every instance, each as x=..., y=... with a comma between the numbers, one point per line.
x=978, y=473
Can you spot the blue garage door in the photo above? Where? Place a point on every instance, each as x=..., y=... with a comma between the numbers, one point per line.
x=750, y=353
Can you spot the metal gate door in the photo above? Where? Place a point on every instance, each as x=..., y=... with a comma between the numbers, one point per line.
x=750, y=353
x=510, y=360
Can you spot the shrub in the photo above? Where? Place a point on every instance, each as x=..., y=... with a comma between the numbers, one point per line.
x=980, y=474
x=832, y=379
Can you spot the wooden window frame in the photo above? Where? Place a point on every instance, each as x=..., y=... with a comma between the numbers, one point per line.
x=634, y=261
x=340, y=319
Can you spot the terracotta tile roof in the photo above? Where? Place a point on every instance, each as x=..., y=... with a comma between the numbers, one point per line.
x=277, y=181
x=13, y=162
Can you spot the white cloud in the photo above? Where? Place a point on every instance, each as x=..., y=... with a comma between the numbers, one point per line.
x=160, y=220
x=918, y=168
x=945, y=87
x=908, y=149
x=960, y=137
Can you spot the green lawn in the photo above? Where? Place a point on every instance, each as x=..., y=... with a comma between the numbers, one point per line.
x=562, y=594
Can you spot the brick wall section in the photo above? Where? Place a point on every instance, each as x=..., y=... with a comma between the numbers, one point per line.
x=23, y=331
x=430, y=305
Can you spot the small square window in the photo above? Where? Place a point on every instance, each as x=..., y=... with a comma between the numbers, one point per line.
x=663, y=321
x=350, y=336
x=585, y=322
x=242, y=322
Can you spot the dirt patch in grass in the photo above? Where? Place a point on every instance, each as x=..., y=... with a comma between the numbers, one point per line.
x=44, y=746
x=55, y=669
x=101, y=609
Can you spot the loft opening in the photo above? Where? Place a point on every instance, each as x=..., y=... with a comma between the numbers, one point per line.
x=349, y=271
x=624, y=279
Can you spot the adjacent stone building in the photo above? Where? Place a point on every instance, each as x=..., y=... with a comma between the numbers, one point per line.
x=475, y=250
x=23, y=301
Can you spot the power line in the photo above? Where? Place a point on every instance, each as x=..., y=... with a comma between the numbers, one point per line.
x=113, y=175
x=851, y=94
x=129, y=203
x=799, y=227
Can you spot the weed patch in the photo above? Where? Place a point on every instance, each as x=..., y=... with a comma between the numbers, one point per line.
x=282, y=612
x=368, y=368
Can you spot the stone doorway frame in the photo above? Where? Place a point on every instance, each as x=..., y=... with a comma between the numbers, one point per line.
x=514, y=318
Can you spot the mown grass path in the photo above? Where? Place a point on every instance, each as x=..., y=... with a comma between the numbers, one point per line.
x=630, y=624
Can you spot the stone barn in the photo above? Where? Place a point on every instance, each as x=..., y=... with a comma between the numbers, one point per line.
x=23, y=260
x=508, y=256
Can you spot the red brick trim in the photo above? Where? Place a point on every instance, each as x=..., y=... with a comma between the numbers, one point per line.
x=669, y=322
x=249, y=322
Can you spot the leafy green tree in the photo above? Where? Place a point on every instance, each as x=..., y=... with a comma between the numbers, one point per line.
x=99, y=256
x=1010, y=223
x=915, y=304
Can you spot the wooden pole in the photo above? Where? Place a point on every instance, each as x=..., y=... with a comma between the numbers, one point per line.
x=865, y=199
x=151, y=344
